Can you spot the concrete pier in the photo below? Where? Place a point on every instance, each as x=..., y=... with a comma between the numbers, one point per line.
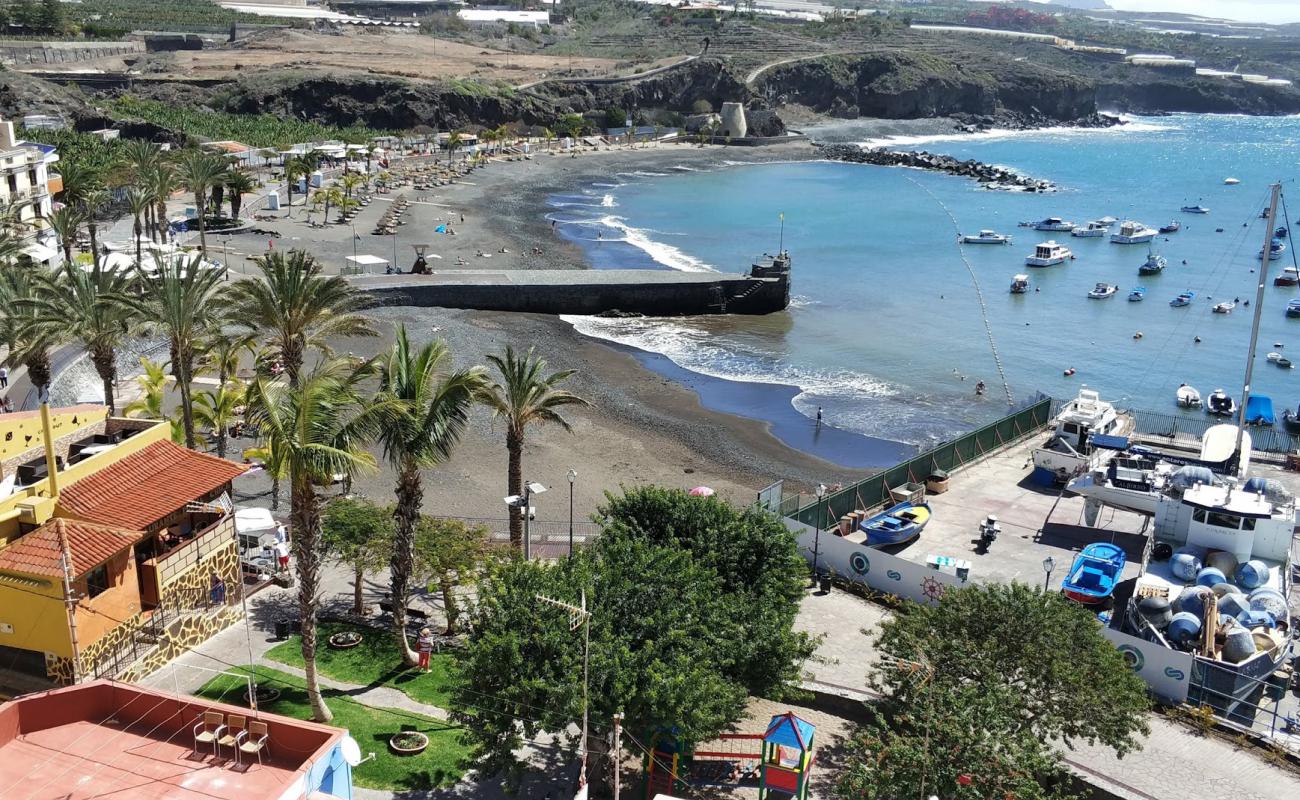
x=659, y=293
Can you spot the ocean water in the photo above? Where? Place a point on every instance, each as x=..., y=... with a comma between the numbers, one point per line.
x=893, y=323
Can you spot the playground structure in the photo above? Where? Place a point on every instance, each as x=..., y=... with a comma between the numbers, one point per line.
x=777, y=762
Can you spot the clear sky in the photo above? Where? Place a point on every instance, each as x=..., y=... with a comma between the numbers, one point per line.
x=1275, y=11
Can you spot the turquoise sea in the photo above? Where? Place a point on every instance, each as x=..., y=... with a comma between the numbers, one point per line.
x=887, y=334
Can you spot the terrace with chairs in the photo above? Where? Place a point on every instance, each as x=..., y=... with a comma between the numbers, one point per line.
x=113, y=740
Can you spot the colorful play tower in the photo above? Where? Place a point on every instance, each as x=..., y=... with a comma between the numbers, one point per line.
x=780, y=760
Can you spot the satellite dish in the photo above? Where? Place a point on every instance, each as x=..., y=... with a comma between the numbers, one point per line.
x=351, y=751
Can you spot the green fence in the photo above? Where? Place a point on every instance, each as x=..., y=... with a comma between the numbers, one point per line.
x=948, y=457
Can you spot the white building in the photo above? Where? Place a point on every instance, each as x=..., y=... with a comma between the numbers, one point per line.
x=482, y=17
x=25, y=190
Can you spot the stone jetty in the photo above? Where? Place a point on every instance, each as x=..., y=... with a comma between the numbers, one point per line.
x=990, y=176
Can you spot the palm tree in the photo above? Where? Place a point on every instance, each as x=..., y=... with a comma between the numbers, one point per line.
x=65, y=222
x=138, y=202
x=29, y=338
x=89, y=305
x=434, y=409
x=182, y=300
x=294, y=307
x=333, y=197
x=548, y=136
x=93, y=204
x=153, y=390
x=217, y=409
x=454, y=143
x=321, y=426
x=350, y=182
x=220, y=352
x=273, y=462
x=200, y=172
x=161, y=184
x=293, y=170
x=238, y=185
x=525, y=396
x=140, y=155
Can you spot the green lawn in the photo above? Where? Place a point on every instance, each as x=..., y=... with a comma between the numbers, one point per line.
x=374, y=662
x=440, y=765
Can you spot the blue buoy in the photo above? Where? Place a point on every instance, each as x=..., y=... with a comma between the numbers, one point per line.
x=1183, y=627
x=1209, y=576
x=1185, y=564
x=1269, y=599
x=1253, y=574
x=1254, y=619
x=1192, y=601
x=1231, y=605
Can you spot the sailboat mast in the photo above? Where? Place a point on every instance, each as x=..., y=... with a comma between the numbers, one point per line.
x=1259, y=310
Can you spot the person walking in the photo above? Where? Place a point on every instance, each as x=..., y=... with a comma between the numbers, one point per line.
x=4, y=377
x=282, y=555
x=424, y=646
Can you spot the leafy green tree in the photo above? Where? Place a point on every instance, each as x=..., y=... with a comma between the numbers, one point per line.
x=215, y=409
x=50, y=19
x=524, y=396
x=979, y=686
x=27, y=15
x=665, y=630
x=238, y=184
x=434, y=403
x=360, y=533
x=449, y=553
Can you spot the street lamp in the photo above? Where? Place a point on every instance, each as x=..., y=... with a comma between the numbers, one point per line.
x=1049, y=564
x=817, y=536
x=578, y=615
x=573, y=476
x=525, y=502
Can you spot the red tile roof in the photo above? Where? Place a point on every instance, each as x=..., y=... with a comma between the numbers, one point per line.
x=146, y=486
x=88, y=545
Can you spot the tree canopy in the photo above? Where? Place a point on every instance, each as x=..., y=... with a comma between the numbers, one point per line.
x=673, y=630
x=979, y=686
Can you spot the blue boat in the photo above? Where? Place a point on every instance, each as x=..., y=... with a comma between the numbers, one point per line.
x=1184, y=299
x=900, y=524
x=1094, y=573
x=1136, y=294
x=1259, y=410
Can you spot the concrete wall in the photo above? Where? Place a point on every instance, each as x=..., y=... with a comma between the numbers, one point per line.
x=654, y=299
x=22, y=52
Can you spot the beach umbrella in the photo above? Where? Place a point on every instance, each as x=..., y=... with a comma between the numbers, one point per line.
x=701, y=491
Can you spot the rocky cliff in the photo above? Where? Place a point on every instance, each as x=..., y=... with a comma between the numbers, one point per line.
x=1158, y=94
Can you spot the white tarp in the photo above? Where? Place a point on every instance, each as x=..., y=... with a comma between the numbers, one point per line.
x=254, y=520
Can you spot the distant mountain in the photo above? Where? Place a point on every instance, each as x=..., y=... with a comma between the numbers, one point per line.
x=1082, y=5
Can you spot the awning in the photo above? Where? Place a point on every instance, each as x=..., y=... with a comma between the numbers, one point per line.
x=364, y=263
x=39, y=252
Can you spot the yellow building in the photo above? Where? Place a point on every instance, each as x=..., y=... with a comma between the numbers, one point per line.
x=121, y=559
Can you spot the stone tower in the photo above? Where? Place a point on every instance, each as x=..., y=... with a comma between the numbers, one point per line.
x=733, y=121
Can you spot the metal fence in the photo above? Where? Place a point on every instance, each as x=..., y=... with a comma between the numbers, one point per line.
x=947, y=457
x=1188, y=430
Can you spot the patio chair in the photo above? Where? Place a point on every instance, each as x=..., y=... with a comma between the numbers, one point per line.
x=235, y=728
x=255, y=740
x=208, y=729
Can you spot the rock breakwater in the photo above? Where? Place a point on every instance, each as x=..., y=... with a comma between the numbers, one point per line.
x=988, y=175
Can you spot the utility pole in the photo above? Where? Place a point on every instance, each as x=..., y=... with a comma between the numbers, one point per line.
x=616, y=752
x=70, y=600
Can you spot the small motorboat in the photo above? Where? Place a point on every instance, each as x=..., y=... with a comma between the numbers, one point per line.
x=1291, y=421
x=1224, y=308
x=1019, y=284
x=1230, y=181
x=1092, y=230
x=1220, y=404
x=1280, y=233
x=1094, y=574
x=1197, y=209
x=986, y=237
x=1137, y=294
x=1102, y=291
x=1173, y=227
x=1184, y=299
x=1293, y=309
x=902, y=523
x=1048, y=254
x=1277, y=359
x=1133, y=233
x=1275, y=250
x=1290, y=277
x=1187, y=397
x=1107, y=221
x=1053, y=224
x=1259, y=411
x=1154, y=264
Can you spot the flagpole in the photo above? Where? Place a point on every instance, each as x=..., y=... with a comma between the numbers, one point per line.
x=781, y=247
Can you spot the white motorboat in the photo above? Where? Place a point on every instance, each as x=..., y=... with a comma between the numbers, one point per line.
x=1275, y=250
x=1019, y=284
x=1107, y=221
x=1131, y=232
x=1102, y=291
x=1048, y=254
x=1290, y=277
x=1230, y=181
x=986, y=237
x=1196, y=209
x=1070, y=451
x=1053, y=224
x=1224, y=308
x=1092, y=230
x=1187, y=396
x=1220, y=404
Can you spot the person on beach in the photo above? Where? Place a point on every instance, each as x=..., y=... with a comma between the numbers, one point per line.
x=424, y=646
x=282, y=555
x=819, y=415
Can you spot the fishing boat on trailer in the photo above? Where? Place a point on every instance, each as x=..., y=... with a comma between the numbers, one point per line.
x=1053, y=224
x=1220, y=404
x=1071, y=449
x=1049, y=254
x=1290, y=277
x=1019, y=284
x=1187, y=397
x=1154, y=265
x=1093, y=230
x=1094, y=573
x=1131, y=232
x=1184, y=299
x=1137, y=294
x=1102, y=291
x=1197, y=209
x=898, y=525
x=986, y=237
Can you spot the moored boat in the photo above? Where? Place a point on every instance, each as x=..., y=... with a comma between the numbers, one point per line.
x=1293, y=309
x=1224, y=307
x=1259, y=410
x=1102, y=291
x=1092, y=230
x=901, y=523
x=1187, y=396
x=1019, y=284
x=1131, y=232
x=1173, y=227
x=1291, y=421
x=1290, y=277
x=1280, y=233
x=1230, y=181
x=1184, y=299
x=1137, y=294
x=1220, y=404
x=1196, y=209
x=1053, y=224
x=986, y=237
x=1275, y=250
x=1048, y=254
x=1093, y=575
x=1154, y=264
